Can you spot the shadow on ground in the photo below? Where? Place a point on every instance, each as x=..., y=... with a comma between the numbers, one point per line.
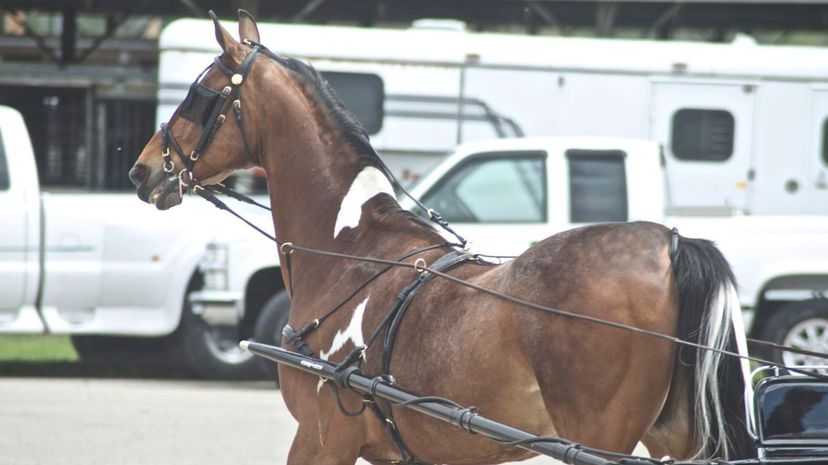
x=76, y=369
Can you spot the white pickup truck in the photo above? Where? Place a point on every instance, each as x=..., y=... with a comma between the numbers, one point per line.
x=505, y=194
x=129, y=282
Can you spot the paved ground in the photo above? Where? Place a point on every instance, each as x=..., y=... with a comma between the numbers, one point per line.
x=125, y=422
x=68, y=421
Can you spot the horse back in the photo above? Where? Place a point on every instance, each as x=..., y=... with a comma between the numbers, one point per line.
x=539, y=370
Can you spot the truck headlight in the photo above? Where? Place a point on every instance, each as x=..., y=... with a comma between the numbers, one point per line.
x=213, y=267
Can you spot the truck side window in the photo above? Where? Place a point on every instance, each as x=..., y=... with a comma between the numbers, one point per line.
x=702, y=135
x=493, y=188
x=4, y=168
x=597, y=186
x=363, y=94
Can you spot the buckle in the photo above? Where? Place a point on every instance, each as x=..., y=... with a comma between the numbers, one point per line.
x=183, y=185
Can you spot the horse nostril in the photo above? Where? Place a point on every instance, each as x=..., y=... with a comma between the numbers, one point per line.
x=138, y=174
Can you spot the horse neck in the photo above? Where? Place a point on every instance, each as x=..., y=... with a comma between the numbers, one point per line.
x=324, y=197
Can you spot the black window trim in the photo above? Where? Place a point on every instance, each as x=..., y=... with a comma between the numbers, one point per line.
x=508, y=155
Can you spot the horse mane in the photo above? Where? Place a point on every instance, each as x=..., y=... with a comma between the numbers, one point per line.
x=352, y=130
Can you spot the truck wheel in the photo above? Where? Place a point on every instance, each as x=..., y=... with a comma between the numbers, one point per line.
x=268, y=330
x=213, y=351
x=802, y=325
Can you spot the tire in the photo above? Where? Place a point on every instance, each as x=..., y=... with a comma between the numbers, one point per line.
x=803, y=325
x=212, y=352
x=268, y=329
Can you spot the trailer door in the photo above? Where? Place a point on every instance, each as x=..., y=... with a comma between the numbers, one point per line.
x=705, y=131
x=817, y=188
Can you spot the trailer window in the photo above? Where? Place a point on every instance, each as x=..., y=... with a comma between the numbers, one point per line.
x=597, y=186
x=703, y=135
x=4, y=168
x=493, y=188
x=362, y=94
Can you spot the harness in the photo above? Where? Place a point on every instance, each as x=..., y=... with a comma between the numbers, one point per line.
x=390, y=326
x=206, y=107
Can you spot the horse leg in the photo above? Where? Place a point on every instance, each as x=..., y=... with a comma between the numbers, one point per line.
x=613, y=420
x=672, y=434
x=324, y=435
x=308, y=448
x=605, y=401
x=670, y=439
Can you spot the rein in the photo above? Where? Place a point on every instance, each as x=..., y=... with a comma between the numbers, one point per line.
x=207, y=107
x=421, y=266
x=212, y=116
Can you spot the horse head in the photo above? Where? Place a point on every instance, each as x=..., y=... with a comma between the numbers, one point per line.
x=205, y=140
x=281, y=114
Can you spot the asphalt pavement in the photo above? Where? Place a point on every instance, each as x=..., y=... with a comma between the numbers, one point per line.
x=48, y=421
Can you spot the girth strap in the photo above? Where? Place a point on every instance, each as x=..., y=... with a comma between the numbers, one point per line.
x=401, y=304
x=407, y=295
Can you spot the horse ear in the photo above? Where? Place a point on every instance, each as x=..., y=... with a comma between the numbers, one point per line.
x=247, y=27
x=224, y=39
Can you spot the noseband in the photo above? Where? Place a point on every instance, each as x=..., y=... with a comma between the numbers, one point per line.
x=206, y=107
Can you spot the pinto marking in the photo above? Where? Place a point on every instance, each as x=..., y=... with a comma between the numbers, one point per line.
x=369, y=183
x=351, y=333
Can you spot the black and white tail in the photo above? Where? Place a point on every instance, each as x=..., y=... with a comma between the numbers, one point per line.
x=709, y=314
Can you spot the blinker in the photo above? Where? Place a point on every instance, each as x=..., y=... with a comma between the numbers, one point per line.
x=199, y=103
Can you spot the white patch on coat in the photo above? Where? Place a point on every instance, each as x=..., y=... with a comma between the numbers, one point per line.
x=351, y=333
x=369, y=183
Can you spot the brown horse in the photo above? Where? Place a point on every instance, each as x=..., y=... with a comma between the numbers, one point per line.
x=547, y=374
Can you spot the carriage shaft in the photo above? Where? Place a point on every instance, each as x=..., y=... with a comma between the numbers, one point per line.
x=464, y=418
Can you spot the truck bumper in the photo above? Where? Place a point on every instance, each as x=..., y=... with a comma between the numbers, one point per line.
x=224, y=308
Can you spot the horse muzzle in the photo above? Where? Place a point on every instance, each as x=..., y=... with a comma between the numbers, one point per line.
x=155, y=188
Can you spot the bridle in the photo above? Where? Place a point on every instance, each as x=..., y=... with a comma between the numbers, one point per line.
x=207, y=108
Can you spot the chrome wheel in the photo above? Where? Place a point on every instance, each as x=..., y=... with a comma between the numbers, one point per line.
x=224, y=346
x=812, y=335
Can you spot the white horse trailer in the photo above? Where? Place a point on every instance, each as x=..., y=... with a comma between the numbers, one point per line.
x=742, y=126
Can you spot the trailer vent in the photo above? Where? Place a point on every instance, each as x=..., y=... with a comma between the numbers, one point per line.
x=703, y=135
